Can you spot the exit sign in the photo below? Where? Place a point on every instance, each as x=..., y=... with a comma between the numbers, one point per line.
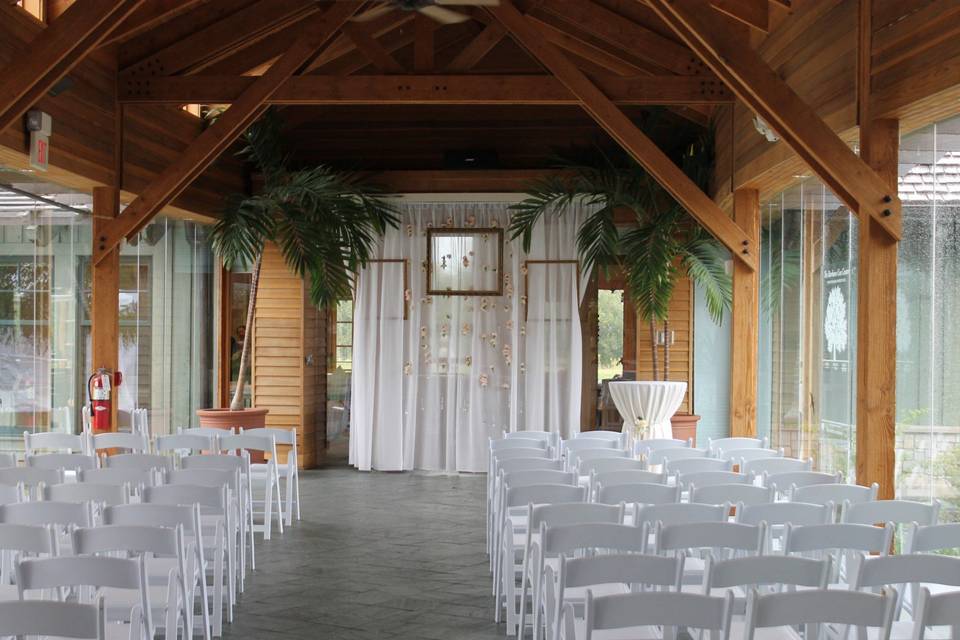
x=39, y=150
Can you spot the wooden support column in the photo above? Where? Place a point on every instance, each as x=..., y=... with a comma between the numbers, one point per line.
x=877, y=321
x=105, y=305
x=744, y=320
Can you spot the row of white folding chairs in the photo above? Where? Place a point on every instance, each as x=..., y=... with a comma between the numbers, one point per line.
x=175, y=446
x=205, y=513
x=778, y=514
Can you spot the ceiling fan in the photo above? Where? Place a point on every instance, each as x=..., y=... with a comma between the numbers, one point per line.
x=436, y=9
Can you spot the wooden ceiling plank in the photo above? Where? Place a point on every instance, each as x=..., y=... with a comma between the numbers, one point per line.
x=242, y=29
x=423, y=44
x=477, y=48
x=629, y=136
x=372, y=49
x=343, y=45
x=753, y=13
x=148, y=17
x=55, y=51
x=222, y=133
x=749, y=76
x=423, y=89
x=625, y=34
x=587, y=51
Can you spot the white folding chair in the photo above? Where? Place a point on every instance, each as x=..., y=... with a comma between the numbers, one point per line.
x=601, y=434
x=643, y=493
x=7, y=460
x=511, y=537
x=906, y=573
x=647, y=516
x=739, y=456
x=183, y=444
x=902, y=513
x=168, y=599
x=767, y=466
x=589, y=466
x=743, y=494
x=500, y=457
x=942, y=610
x=934, y=538
x=642, y=448
x=576, y=445
x=816, y=608
x=266, y=476
x=143, y=461
x=194, y=567
x=522, y=479
x=211, y=432
x=710, y=478
x=778, y=514
x=716, y=445
x=693, y=541
x=48, y=618
x=68, y=462
x=604, y=574
x=136, y=479
x=569, y=540
x=289, y=473
x=98, y=494
x=11, y=493
x=776, y=573
x=54, y=441
x=839, y=541
x=93, y=574
x=628, y=476
x=540, y=518
x=130, y=442
x=658, y=456
x=638, y=615
x=783, y=481
x=837, y=493
x=238, y=465
x=18, y=541
x=693, y=465
x=30, y=478
x=552, y=438
x=61, y=514
x=215, y=509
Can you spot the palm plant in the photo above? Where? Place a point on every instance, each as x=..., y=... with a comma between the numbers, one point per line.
x=663, y=244
x=325, y=223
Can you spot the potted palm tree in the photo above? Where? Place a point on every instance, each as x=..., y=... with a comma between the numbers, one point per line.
x=325, y=223
x=662, y=244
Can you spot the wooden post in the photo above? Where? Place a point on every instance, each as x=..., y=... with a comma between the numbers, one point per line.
x=105, y=305
x=744, y=321
x=877, y=321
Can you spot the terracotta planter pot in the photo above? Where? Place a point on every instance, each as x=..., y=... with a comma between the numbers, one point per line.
x=685, y=426
x=244, y=419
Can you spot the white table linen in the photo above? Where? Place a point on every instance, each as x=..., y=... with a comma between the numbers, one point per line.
x=655, y=402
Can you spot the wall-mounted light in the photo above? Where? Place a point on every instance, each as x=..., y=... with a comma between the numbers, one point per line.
x=765, y=129
x=664, y=336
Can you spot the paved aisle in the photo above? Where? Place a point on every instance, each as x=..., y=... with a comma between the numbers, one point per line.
x=377, y=555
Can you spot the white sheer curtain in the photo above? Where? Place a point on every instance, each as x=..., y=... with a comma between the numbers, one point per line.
x=429, y=390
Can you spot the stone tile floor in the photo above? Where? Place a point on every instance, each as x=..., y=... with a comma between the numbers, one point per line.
x=376, y=555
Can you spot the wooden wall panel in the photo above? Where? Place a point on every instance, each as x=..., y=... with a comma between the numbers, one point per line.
x=681, y=353
x=289, y=357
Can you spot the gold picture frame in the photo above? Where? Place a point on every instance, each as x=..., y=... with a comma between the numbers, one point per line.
x=432, y=233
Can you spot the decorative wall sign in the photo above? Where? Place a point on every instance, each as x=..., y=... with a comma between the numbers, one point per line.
x=465, y=262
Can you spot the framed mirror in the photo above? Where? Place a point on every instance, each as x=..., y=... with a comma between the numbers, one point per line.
x=465, y=262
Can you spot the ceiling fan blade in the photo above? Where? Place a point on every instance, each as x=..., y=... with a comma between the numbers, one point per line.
x=373, y=14
x=444, y=16
x=473, y=3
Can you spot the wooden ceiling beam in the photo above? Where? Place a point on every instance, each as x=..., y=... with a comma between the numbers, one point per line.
x=423, y=89
x=372, y=49
x=629, y=136
x=343, y=45
x=588, y=51
x=753, y=13
x=148, y=17
x=55, y=51
x=624, y=34
x=242, y=29
x=316, y=32
x=423, y=51
x=749, y=76
x=481, y=45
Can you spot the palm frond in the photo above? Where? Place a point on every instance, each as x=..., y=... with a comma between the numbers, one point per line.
x=705, y=263
x=598, y=239
x=650, y=269
x=546, y=195
x=245, y=225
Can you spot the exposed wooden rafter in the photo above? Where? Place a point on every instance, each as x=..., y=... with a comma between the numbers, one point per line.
x=749, y=76
x=423, y=44
x=147, y=17
x=424, y=89
x=480, y=46
x=372, y=49
x=242, y=29
x=55, y=51
x=629, y=136
x=214, y=140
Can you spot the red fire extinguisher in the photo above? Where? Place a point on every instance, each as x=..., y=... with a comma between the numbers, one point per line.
x=99, y=386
